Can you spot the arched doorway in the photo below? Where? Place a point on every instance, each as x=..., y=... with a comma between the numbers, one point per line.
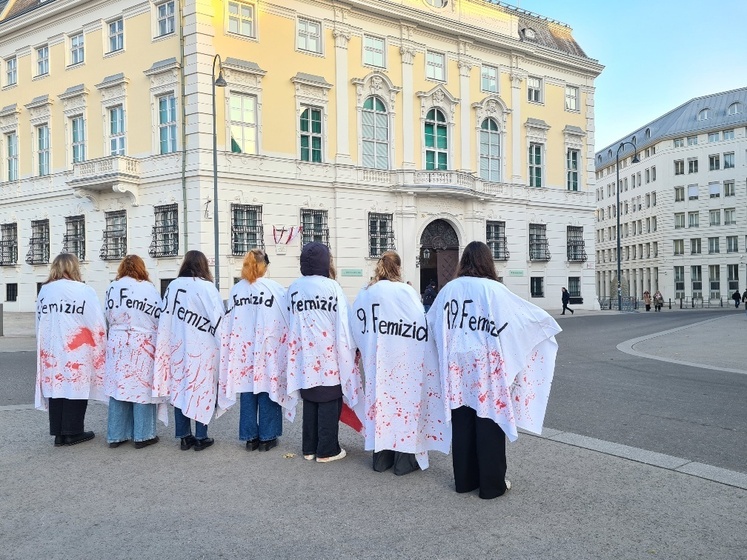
x=439, y=254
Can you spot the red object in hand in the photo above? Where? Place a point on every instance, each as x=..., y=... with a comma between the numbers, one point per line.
x=348, y=417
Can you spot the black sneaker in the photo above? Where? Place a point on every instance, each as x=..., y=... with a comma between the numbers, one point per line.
x=201, y=444
x=146, y=443
x=188, y=442
x=252, y=445
x=267, y=445
x=79, y=438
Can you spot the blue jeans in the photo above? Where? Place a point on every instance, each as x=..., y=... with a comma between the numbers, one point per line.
x=183, y=426
x=128, y=420
x=270, y=425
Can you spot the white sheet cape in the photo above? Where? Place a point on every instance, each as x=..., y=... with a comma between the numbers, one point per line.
x=132, y=309
x=404, y=405
x=188, y=347
x=70, y=343
x=321, y=351
x=254, y=345
x=496, y=353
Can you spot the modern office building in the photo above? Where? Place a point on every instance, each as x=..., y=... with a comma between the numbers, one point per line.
x=418, y=125
x=683, y=207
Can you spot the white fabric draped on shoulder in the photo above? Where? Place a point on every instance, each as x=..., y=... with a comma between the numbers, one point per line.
x=188, y=347
x=404, y=409
x=254, y=345
x=70, y=343
x=496, y=353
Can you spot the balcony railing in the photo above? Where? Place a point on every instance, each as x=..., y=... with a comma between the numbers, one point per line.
x=576, y=251
x=38, y=250
x=164, y=241
x=115, y=245
x=8, y=252
x=539, y=250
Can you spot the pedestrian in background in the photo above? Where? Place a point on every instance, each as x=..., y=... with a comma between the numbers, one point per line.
x=647, y=300
x=71, y=350
x=736, y=296
x=566, y=298
x=132, y=309
x=429, y=295
x=188, y=350
x=658, y=301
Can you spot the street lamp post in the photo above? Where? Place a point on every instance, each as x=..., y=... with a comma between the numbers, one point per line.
x=219, y=82
x=617, y=214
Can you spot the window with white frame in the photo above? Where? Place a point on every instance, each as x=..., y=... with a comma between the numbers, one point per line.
x=678, y=247
x=78, y=138
x=653, y=173
x=537, y=286
x=693, y=219
x=489, y=79
x=42, y=149
x=116, y=35
x=495, y=236
x=679, y=167
x=679, y=142
x=241, y=19
x=696, y=281
x=167, y=123
x=380, y=234
x=117, y=137
x=679, y=281
x=115, y=236
x=572, y=165
x=74, y=240
x=695, y=246
x=165, y=18
x=729, y=134
x=535, y=164
x=571, y=98
x=733, y=276
x=713, y=137
x=714, y=278
x=730, y=216
x=435, y=66
x=692, y=192
x=374, y=51
x=309, y=35
x=11, y=71
x=247, y=231
x=375, y=134
x=729, y=160
x=647, y=174
x=735, y=108
x=703, y=114
x=534, y=89
x=539, y=248
x=314, y=226
x=732, y=244
x=11, y=160
x=39, y=243
x=436, y=141
x=243, y=113
x=692, y=165
x=312, y=138
x=42, y=60
x=8, y=244
x=490, y=150
x=729, y=188
x=714, y=162
x=714, y=217
x=165, y=236
x=77, y=52
x=714, y=189
x=692, y=140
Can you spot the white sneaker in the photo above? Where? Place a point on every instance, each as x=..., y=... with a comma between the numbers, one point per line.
x=309, y=457
x=340, y=455
x=508, y=484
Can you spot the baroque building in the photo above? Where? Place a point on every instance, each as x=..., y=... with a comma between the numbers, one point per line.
x=415, y=125
x=683, y=207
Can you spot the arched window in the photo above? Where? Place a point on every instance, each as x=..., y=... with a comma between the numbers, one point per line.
x=735, y=109
x=648, y=133
x=375, y=134
x=436, y=141
x=490, y=151
x=703, y=115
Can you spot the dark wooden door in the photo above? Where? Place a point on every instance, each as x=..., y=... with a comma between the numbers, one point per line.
x=446, y=265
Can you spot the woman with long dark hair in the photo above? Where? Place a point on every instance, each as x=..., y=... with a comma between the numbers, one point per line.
x=188, y=350
x=496, y=355
x=254, y=362
x=132, y=309
x=404, y=408
x=71, y=350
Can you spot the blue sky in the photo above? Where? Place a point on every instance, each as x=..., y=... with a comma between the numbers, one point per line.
x=657, y=53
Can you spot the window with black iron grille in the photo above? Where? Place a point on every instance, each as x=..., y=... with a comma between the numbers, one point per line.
x=574, y=286
x=315, y=227
x=576, y=249
x=165, y=239
x=115, y=236
x=539, y=248
x=495, y=236
x=11, y=292
x=39, y=243
x=8, y=244
x=75, y=237
x=246, y=229
x=537, y=286
x=380, y=234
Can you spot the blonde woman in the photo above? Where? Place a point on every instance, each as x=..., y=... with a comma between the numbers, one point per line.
x=71, y=350
x=255, y=354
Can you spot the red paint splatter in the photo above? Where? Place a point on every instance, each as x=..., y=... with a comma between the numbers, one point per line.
x=83, y=336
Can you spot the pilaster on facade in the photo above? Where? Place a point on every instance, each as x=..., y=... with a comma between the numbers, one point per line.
x=465, y=71
x=517, y=78
x=342, y=34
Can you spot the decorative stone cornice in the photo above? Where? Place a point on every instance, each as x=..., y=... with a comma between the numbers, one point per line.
x=408, y=54
x=376, y=83
x=438, y=97
x=491, y=106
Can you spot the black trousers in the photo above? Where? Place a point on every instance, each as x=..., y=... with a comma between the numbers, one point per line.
x=67, y=416
x=321, y=428
x=478, y=454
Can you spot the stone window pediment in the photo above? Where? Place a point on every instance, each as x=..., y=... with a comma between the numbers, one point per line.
x=493, y=107
x=377, y=84
x=440, y=98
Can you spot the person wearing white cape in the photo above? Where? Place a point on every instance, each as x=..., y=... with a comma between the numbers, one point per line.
x=188, y=350
x=255, y=355
x=496, y=354
x=132, y=309
x=405, y=414
x=321, y=355
x=71, y=350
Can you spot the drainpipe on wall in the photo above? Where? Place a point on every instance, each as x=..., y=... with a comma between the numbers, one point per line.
x=184, y=126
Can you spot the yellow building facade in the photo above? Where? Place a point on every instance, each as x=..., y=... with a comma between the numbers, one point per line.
x=417, y=125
